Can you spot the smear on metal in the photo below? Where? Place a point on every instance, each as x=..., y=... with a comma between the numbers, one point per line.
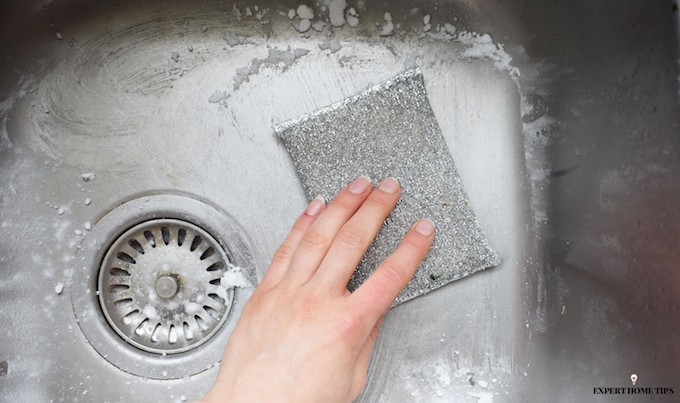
x=390, y=130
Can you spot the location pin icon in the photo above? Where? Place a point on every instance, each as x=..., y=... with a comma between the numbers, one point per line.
x=633, y=379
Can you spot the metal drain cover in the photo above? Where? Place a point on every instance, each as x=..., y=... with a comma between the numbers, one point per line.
x=146, y=289
x=159, y=286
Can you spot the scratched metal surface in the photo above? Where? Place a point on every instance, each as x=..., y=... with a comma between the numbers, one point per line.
x=562, y=122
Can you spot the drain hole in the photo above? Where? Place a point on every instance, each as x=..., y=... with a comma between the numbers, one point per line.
x=208, y=252
x=215, y=266
x=140, y=329
x=117, y=271
x=125, y=257
x=216, y=281
x=166, y=235
x=150, y=238
x=188, y=333
x=156, y=336
x=181, y=236
x=197, y=241
x=201, y=323
x=213, y=313
x=118, y=288
x=127, y=319
x=123, y=301
x=136, y=246
x=172, y=335
x=217, y=298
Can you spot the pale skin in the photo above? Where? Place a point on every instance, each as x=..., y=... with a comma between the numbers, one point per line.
x=302, y=336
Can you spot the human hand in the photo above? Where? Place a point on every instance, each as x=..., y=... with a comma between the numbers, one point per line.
x=302, y=336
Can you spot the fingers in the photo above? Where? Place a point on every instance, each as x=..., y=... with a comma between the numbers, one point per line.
x=314, y=244
x=284, y=254
x=355, y=237
x=375, y=296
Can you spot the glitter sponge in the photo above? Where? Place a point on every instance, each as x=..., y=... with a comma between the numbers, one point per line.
x=390, y=130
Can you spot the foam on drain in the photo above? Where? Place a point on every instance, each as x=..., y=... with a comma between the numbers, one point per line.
x=159, y=286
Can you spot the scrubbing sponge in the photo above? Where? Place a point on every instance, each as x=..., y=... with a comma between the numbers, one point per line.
x=390, y=130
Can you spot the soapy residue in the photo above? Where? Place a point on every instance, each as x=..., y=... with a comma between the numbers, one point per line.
x=150, y=312
x=318, y=25
x=426, y=23
x=274, y=58
x=388, y=26
x=352, y=17
x=440, y=378
x=336, y=12
x=232, y=278
x=336, y=16
x=233, y=39
x=483, y=47
x=217, y=96
x=304, y=25
x=191, y=308
x=484, y=397
x=331, y=44
x=304, y=12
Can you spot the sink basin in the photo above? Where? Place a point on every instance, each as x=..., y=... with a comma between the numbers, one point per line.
x=562, y=122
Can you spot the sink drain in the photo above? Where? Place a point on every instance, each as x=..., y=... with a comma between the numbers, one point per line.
x=159, y=286
x=146, y=288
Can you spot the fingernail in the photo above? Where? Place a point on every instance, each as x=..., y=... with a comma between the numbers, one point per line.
x=425, y=227
x=389, y=185
x=315, y=206
x=360, y=185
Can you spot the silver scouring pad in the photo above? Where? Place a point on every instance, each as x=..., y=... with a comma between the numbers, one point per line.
x=390, y=130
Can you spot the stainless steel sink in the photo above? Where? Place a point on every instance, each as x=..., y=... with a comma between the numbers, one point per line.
x=562, y=120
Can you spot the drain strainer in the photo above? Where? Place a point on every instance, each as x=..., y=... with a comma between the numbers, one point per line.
x=159, y=286
x=146, y=289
